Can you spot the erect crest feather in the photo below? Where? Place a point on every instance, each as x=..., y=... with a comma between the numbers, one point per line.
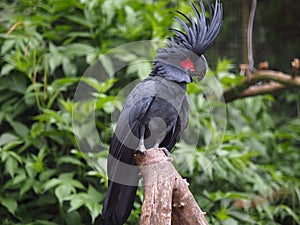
x=198, y=34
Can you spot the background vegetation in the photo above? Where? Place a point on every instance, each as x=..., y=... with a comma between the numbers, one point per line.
x=46, y=45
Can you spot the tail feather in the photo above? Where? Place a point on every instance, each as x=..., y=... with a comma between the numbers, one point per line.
x=118, y=204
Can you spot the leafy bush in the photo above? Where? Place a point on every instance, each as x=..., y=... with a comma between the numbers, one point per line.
x=253, y=177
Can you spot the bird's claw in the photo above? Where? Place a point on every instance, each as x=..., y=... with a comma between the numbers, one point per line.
x=141, y=150
x=166, y=151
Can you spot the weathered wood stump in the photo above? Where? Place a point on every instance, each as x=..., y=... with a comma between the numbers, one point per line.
x=167, y=198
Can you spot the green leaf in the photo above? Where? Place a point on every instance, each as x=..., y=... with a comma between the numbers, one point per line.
x=109, y=10
x=107, y=64
x=55, y=57
x=10, y=204
x=76, y=202
x=94, y=210
x=67, y=178
x=7, y=45
x=230, y=221
x=19, y=128
x=101, y=87
x=242, y=217
x=6, y=138
x=52, y=183
x=6, y=69
x=18, y=84
x=26, y=187
x=79, y=19
x=91, y=200
x=63, y=83
x=222, y=214
x=36, y=129
x=20, y=177
x=108, y=107
x=142, y=69
x=30, y=171
x=43, y=222
x=62, y=192
x=96, y=196
x=16, y=156
x=12, y=145
x=11, y=165
x=69, y=160
x=69, y=68
x=78, y=49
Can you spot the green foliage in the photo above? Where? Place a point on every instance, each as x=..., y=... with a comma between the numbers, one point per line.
x=253, y=177
x=246, y=174
x=46, y=46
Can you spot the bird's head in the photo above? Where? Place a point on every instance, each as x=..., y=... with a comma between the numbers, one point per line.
x=184, y=51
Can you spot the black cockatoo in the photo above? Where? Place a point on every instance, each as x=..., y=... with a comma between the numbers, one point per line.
x=156, y=110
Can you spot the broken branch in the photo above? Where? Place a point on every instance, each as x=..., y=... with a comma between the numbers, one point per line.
x=167, y=198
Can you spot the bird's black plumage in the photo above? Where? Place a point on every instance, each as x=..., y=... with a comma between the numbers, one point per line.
x=155, y=113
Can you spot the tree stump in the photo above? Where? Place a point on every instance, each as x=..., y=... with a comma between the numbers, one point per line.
x=167, y=198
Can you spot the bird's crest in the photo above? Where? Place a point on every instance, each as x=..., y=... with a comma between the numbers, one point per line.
x=198, y=33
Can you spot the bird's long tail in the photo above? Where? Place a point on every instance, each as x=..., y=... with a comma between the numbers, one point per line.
x=117, y=204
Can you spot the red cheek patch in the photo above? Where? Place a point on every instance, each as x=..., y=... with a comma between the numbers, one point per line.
x=188, y=64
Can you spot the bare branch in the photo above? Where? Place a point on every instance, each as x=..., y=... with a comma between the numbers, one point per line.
x=262, y=82
x=270, y=75
x=262, y=89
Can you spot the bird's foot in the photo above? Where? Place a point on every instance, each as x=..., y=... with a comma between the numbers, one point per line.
x=141, y=150
x=166, y=151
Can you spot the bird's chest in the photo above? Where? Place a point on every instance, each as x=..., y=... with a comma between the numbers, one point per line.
x=168, y=102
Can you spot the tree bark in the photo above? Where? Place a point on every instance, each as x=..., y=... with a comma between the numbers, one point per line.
x=167, y=198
